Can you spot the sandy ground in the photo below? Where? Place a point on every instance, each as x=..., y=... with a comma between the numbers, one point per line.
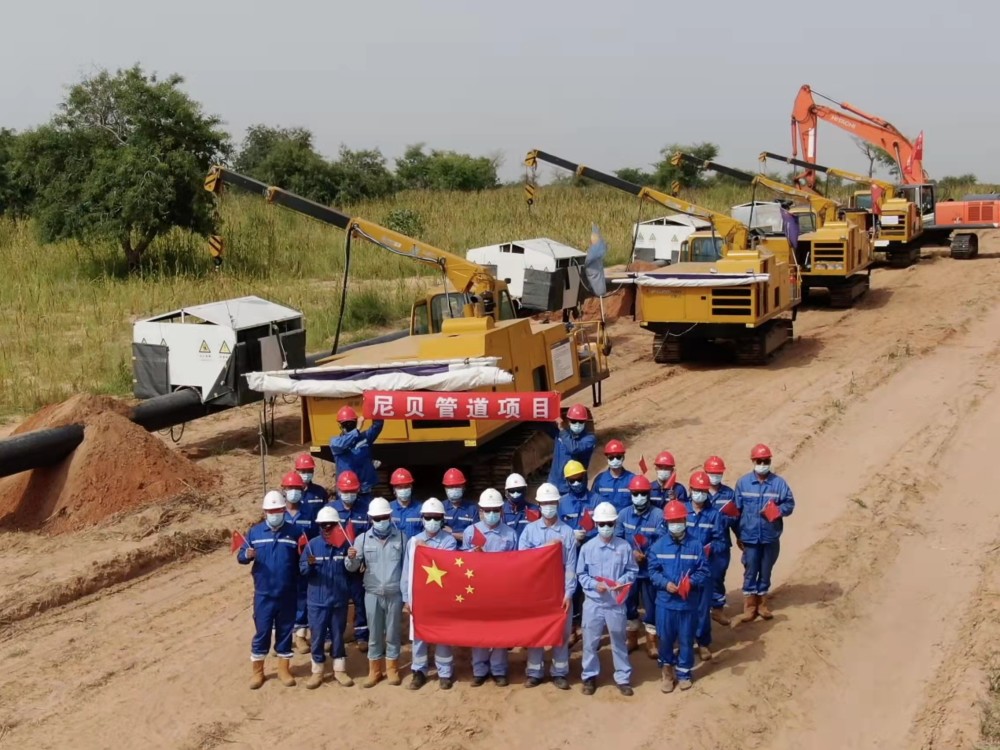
x=884, y=420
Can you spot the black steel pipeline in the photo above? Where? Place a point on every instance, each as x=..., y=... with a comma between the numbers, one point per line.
x=175, y=408
x=38, y=448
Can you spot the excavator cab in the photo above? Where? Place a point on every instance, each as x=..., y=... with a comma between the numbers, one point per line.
x=428, y=314
x=702, y=248
x=920, y=195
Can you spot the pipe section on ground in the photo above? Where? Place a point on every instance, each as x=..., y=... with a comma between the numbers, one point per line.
x=38, y=448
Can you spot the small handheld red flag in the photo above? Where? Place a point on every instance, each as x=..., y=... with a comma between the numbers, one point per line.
x=643, y=467
x=587, y=522
x=771, y=511
x=237, y=542
x=532, y=514
x=621, y=594
x=640, y=541
x=684, y=587
x=348, y=528
x=303, y=541
x=337, y=537
x=708, y=550
x=730, y=509
x=478, y=537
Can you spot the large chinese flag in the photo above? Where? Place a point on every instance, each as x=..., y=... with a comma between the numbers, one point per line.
x=489, y=599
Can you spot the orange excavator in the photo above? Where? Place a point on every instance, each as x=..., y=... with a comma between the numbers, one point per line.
x=957, y=220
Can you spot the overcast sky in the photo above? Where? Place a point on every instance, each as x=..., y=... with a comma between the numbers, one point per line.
x=604, y=83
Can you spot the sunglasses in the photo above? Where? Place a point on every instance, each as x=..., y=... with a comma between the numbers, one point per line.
x=605, y=524
x=381, y=518
x=616, y=455
x=432, y=518
x=765, y=462
x=327, y=526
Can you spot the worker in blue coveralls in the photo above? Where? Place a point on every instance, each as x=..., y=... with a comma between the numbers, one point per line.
x=706, y=524
x=604, y=566
x=723, y=497
x=517, y=512
x=271, y=547
x=640, y=525
x=352, y=448
x=405, y=512
x=314, y=496
x=496, y=536
x=459, y=513
x=573, y=443
x=678, y=569
x=764, y=500
x=576, y=508
x=292, y=487
x=352, y=509
x=611, y=485
x=666, y=487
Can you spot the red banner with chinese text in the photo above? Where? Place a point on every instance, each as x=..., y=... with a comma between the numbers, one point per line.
x=438, y=405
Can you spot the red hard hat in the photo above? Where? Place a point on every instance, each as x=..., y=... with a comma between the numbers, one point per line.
x=401, y=476
x=305, y=462
x=453, y=478
x=675, y=511
x=347, y=481
x=347, y=414
x=614, y=448
x=714, y=465
x=639, y=483
x=292, y=479
x=700, y=481
x=760, y=451
x=578, y=413
x=665, y=458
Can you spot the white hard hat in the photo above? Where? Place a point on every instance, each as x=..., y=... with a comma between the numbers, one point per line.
x=327, y=514
x=514, y=480
x=605, y=512
x=274, y=500
x=432, y=506
x=547, y=493
x=490, y=499
x=379, y=507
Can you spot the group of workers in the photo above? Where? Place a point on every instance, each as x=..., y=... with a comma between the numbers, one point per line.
x=630, y=546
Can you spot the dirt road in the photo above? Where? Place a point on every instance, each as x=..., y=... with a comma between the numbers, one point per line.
x=883, y=419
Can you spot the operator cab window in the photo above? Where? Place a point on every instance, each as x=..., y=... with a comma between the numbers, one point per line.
x=506, y=307
x=807, y=222
x=863, y=201
x=440, y=308
x=419, y=323
x=702, y=249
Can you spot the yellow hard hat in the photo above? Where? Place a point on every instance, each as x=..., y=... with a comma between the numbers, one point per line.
x=573, y=468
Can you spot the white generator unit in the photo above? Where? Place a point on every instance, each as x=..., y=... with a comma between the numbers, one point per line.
x=762, y=215
x=210, y=347
x=542, y=275
x=659, y=240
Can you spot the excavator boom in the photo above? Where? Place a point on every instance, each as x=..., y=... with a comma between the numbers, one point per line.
x=735, y=233
x=806, y=114
x=465, y=276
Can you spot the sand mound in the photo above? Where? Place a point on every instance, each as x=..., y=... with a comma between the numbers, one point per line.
x=118, y=467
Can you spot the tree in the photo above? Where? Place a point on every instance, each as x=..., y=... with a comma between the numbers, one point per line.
x=871, y=154
x=125, y=158
x=689, y=175
x=885, y=159
x=285, y=157
x=261, y=140
x=635, y=175
x=362, y=174
x=15, y=195
x=446, y=170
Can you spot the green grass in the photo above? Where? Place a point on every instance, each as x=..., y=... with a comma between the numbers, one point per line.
x=66, y=309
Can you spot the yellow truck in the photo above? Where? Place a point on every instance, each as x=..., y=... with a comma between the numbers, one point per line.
x=834, y=248
x=734, y=286
x=471, y=318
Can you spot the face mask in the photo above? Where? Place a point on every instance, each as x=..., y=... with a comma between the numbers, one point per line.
x=293, y=496
x=676, y=529
x=715, y=479
x=549, y=511
x=515, y=496
x=615, y=463
x=348, y=498
x=576, y=427
x=639, y=501
x=699, y=497
x=307, y=476
x=381, y=527
x=762, y=469
x=577, y=487
x=275, y=520
x=432, y=525
x=606, y=532
x=454, y=493
x=664, y=474
x=492, y=518
x=404, y=494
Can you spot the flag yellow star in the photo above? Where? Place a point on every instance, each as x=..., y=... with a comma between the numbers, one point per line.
x=459, y=598
x=469, y=590
x=469, y=573
x=459, y=562
x=434, y=573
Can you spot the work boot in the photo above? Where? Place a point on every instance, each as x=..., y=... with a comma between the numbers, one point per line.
x=417, y=680
x=301, y=645
x=652, y=646
x=685, y=684
x=285, y=672
x=374, y=673
x=720, y=616
x=392, y=671
x=589, y=686
x=445, y=683
x=703, y=652
x=258, y=674
x=561, y=682
x=340, y=672
x=501, y=680
x=478, y=681
x=667, y=679
x=749, y=610
x=763, y=609
x=316, y=678
x=363, y=646
x=632, y=640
